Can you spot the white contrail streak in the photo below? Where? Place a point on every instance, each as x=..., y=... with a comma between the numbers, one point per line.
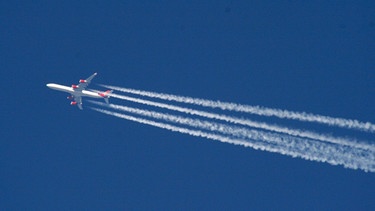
x=274, y=128
x=307, y=149
x=240, y=132
x=212, y=126
x=301, y=116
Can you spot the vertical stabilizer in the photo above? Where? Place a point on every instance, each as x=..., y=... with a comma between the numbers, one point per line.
x=105, y=95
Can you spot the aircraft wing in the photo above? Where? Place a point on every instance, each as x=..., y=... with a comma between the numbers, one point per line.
x=84, y=83
x=78, y=100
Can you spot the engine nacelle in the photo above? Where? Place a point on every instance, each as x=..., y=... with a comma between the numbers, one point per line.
x=73, y=103
x=82, y=81
x=74, y=86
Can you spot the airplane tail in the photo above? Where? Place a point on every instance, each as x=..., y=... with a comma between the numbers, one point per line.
x=106, y=96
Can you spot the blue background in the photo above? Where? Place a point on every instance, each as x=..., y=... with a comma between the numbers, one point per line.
x=314, y=56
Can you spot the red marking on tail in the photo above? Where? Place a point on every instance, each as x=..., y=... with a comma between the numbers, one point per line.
x=104, y=94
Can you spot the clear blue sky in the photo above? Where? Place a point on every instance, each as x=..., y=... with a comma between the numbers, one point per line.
x=314, y=56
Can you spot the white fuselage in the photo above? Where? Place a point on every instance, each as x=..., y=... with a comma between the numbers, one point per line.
x=82, y=93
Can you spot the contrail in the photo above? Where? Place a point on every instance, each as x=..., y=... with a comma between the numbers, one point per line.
x=301, y=116
x=197, y=123
x=295, y=147
x=226, y=129
x=249, y=123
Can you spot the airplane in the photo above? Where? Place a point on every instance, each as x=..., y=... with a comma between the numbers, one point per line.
x=79, y=91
